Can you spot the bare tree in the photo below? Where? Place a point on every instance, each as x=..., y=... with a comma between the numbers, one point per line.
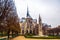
x=8, y=16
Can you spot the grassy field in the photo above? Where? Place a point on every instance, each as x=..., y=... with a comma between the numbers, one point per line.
x=49, y=37
x=23, y=38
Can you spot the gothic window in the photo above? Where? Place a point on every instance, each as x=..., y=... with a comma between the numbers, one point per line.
x=31, y=31
x=26, y=31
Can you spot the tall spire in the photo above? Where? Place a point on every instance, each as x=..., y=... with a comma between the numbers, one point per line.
x=39, y=19
x=28, y=15
x=40, y=26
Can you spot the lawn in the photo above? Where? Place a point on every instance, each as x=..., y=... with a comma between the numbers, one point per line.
x=49, y=37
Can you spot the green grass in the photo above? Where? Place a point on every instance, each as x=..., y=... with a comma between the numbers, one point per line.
x=4, y=39
x=49, y=37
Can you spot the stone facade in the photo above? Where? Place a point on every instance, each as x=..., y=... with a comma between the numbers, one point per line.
x=30, y=25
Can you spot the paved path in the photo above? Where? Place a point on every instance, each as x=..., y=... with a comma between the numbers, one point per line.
x=23, y=38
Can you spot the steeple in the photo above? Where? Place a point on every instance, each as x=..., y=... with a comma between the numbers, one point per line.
x=28, y=15
x=40, y=26
x=39, y=19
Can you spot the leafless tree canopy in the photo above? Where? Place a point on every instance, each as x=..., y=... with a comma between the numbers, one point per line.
x=8, y=15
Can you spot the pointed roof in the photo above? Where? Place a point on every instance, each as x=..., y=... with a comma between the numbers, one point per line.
x=28, y=15
x=39, y=18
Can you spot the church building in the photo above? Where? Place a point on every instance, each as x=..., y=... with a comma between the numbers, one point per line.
x=30, y=26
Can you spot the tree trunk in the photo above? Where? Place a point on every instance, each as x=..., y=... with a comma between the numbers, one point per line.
x=8, y=33
x=12, y=34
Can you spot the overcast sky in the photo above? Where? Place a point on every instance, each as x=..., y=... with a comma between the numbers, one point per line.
x=49, y=10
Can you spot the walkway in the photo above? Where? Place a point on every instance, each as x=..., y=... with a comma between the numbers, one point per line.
x=23, y=38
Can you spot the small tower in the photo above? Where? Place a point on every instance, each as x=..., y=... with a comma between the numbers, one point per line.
x=40, y=26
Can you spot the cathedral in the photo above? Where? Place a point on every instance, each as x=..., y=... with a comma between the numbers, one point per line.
x=29, y=25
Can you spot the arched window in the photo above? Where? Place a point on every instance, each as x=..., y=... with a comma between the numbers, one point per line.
x=26, y=31
x=31, y=31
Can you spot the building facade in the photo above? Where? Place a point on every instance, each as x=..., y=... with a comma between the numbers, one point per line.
x=30, y=26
